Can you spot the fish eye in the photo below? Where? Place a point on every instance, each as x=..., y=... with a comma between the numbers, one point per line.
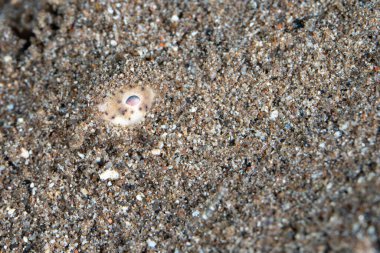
x=133, y=100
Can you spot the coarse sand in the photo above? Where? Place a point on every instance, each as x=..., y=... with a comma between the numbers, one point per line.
x=263, y=135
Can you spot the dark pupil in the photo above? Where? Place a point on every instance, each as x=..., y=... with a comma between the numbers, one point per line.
x=133, y=100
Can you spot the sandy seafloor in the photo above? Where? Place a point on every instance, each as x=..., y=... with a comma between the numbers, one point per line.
x=264, y=136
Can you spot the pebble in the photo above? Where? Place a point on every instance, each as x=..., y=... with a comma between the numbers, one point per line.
x=109, y=175
x=113, y=43
x=156, y=151
x=24, y=153
x=10, y=107
x=151, y=243
x=344, y=126
x=338, y=134
x=195, y=213
x=7, y=58
x=11, y=211
x=274, y=115
x=84, y=191
x=174, y=18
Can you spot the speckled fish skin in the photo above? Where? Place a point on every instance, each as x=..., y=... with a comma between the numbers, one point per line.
x=128, y=106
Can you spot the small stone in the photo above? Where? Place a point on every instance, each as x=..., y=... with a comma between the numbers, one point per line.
x=274, y=115
x=108, y=165
x=11, y=211
x=156, y=151
x=110, y=10
x=109, y=175
x=113, y=43
x=260, y=135
x=7, y=58
x=338, y=134
x=139, y=197
x=84, y=191
x=10, y=107
x=142, y=51
x=298, y=23
x=344, y=126
x=24, y=153
x=174, y=18
x=151, y=243
x=195, y=213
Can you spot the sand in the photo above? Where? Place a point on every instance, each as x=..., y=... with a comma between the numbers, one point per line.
x=263, y=137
